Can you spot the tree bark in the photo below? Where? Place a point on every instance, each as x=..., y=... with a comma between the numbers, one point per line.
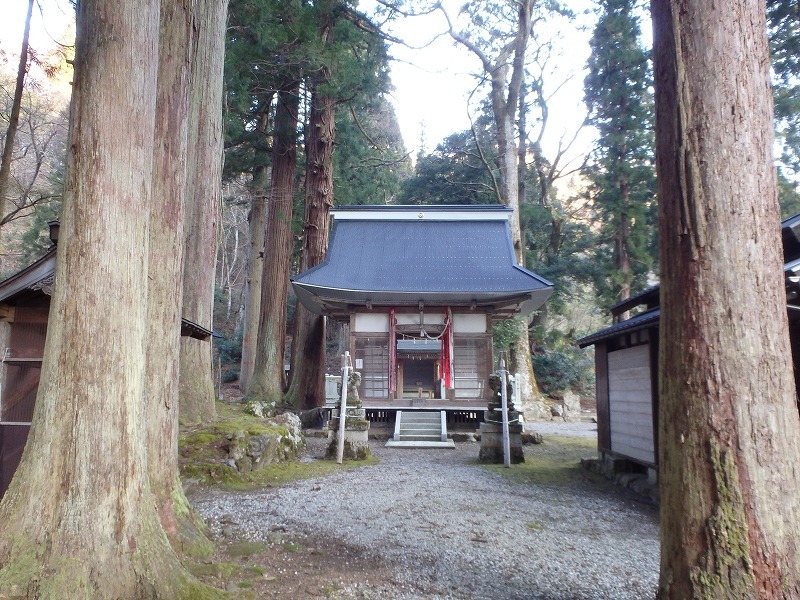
x=729, y=433
x=80, y=518
x=307, y=388
x=257, y=220
x=267, y=384
x=203, y=197
x=165, y=272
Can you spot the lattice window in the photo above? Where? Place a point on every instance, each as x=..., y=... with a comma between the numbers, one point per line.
x=23, y=361
x=470, y=366
x=374, y=352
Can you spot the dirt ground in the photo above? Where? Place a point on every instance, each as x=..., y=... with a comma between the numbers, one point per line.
x=293, y=567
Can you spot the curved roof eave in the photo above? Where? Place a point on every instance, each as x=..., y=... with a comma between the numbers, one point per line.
x=319, y=299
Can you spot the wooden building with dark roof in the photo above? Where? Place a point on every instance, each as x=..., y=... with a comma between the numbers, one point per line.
x=626, y=367
x=24, y=316
x=420, y=287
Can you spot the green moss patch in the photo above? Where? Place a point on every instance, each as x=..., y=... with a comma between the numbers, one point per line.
x=245, y=548
x=216, y=570
x=203, y=450
x=555, y=462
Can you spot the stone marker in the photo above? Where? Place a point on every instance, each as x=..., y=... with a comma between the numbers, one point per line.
x=356, y=425
x=492, y=427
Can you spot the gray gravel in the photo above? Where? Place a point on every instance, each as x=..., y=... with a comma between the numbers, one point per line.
x=447, y=528
x=583, y=429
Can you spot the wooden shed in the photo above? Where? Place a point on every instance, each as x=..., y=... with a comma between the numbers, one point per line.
x=420, y=287
x=24, y=313
x=626, y=366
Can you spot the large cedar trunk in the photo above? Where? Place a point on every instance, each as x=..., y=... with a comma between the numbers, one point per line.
x=165, y=272
x=307, y=388
x=729, y=433
x=257, y=222
x=203, y=197
x=267, y=383
x=80, y=519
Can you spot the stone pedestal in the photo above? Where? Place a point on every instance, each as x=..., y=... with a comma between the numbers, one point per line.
x=356, y=425
x=492, y=428
x=356, y=435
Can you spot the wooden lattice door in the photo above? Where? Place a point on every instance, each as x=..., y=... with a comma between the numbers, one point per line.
x=23, y=362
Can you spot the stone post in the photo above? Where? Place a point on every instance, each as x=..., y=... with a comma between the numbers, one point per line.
x=492, y=427
x=356, y=425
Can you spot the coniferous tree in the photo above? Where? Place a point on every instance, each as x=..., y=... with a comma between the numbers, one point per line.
x=729, y=435
x=783, y=20
x=622, y=172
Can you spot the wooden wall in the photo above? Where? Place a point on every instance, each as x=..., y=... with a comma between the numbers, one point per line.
x=630, y=395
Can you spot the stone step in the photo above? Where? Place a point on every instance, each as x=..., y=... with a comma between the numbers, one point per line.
x=419, y=428
x=428, y=417
x=420, y=437
x=420, y=444
x=404, y=425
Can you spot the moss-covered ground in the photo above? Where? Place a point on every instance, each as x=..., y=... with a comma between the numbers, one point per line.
x=252, y=569
x=555, y=462
x=202, y=450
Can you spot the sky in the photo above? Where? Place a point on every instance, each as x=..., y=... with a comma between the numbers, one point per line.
x=44, y=32
x=432, y=83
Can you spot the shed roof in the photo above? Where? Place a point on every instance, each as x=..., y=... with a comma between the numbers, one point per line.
x=404, y=255
x=790, y=237
x=30, y=276
x=643, y=320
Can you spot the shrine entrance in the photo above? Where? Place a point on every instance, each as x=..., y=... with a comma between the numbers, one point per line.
x=419, y=368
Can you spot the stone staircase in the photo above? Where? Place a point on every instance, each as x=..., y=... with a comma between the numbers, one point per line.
x=420, y=429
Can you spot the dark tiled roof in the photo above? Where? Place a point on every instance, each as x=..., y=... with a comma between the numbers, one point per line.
x=404, y=261
x=643, y=297
x=640, y=321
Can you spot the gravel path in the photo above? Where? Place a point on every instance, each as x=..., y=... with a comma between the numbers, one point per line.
x=583, y=429
x=444, y=527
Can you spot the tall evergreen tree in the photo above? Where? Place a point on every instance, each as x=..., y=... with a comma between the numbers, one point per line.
x=729, y=435
x=783, y=20
x=622, y=172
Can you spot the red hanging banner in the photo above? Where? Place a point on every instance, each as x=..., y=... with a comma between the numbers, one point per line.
x=392, y=353
x=447, y=351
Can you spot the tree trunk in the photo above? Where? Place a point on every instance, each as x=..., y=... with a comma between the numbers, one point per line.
x=507, y=76
x=203, y=197
x=80, y=519
x=257, y=220
x=622, y=245
x=165, y=271
x=729, y=434
x=267, y=384
x=307, y=389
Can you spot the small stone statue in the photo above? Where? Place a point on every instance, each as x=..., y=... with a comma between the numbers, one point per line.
x=354, y=380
